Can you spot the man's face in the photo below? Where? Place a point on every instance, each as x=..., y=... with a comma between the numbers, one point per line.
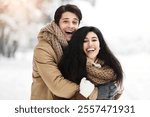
x=68, y=23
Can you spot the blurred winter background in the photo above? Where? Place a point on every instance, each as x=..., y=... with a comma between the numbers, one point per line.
x=125, y=25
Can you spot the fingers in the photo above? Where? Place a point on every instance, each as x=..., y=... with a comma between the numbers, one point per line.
x=113, y=87
x=83, y=80
x=86, y=87
x=113, y=91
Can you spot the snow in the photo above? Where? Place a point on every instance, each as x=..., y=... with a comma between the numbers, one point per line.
x=16, y=77
x=136, y=76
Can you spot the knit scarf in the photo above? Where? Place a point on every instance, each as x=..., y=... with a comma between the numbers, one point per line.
x=98, y=72
x=52, y=33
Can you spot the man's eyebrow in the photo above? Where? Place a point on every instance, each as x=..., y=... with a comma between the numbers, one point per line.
x=68, y=18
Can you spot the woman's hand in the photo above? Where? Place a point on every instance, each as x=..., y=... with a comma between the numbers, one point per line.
x=107, y=91
x=86, y=87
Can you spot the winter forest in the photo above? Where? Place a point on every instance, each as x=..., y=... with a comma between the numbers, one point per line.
x=125, y=25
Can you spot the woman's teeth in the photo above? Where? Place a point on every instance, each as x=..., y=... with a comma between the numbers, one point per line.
x=90, y=49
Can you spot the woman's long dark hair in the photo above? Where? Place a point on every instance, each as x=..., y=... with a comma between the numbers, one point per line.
x=73, y=62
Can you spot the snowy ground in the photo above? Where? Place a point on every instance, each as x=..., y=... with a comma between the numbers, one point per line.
x=16, y=77
x=137, y=76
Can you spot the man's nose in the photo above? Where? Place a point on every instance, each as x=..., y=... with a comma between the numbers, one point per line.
x=71, y=25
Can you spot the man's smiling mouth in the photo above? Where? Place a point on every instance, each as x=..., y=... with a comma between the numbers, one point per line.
x=69, y=33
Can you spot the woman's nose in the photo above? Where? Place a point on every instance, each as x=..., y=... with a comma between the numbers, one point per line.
x=90, y=43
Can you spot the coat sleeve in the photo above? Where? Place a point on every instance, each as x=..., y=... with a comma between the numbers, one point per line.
x=45, y=60
x=119, y=92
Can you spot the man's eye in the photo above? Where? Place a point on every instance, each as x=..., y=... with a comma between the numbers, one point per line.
x=75, y=22
x=65, y=21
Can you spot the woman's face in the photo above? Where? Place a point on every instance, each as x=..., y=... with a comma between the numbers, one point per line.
x=91, y=45
x=68, y=23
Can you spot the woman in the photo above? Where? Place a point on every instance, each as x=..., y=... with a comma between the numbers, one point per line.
x=88, y=55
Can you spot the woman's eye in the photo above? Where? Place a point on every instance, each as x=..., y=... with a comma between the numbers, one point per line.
x=94, y=40
x=85, y=40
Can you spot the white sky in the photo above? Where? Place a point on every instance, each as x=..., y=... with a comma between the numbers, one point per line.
x=119, y=17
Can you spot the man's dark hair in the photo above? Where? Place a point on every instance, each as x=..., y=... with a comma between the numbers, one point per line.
x=64, y=8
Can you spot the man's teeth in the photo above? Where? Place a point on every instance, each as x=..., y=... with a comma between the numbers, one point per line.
x=69, y=32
